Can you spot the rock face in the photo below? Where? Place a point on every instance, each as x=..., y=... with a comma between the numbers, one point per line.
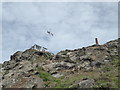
x=22, y=69
x=86, y=83
x=21, y=76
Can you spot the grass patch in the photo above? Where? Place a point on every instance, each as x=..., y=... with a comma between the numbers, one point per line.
x=107, y=68
x=116, y=63
x=61, y=82
x=45, y=76
x=48, y=78
x=106, y=79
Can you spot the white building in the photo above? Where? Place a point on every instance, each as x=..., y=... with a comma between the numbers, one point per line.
x=39, y=48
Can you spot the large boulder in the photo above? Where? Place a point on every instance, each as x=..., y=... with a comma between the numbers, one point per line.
x=7, y=65
x=17, y=56
x=58, y=75
x=23, y=82
x=86, y=83
x=96, y=64
x=58, y=66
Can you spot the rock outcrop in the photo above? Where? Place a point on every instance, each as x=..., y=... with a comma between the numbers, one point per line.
x=86, y=83
x=23, y=69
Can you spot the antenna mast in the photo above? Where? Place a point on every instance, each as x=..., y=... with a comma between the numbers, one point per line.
x=96, y=41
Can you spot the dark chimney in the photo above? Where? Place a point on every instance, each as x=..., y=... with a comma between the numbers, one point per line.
x=96, y=40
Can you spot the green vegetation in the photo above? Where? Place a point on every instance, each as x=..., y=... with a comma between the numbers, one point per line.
x=107, y=68
x=109, y=78
x=45, y=76
x=106, y=78
x=116, y=63
x=61, y=82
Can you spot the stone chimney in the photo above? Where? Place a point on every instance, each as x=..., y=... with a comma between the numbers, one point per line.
x=96, y=41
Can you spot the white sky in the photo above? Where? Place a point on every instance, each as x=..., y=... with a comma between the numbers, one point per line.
x=74, y=25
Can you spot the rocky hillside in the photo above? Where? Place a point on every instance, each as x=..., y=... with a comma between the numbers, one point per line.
x=94, y=66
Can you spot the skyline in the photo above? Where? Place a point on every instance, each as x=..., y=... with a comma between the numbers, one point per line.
x=74, y=25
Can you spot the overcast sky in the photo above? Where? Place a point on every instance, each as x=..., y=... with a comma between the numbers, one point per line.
x=74, y=25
